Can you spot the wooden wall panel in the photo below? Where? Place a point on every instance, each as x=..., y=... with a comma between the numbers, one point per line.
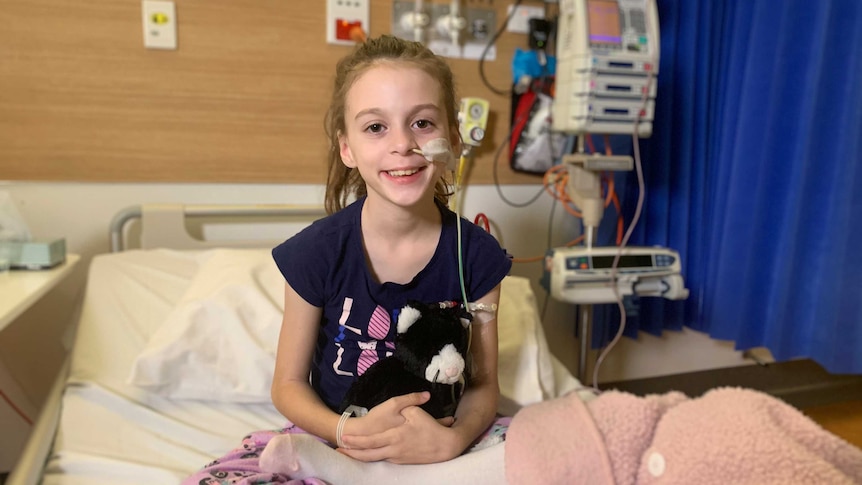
x=241, y=100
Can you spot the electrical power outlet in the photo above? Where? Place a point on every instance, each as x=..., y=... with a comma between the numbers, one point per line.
x=160, y=24
x=519, y=23
x=343, y=17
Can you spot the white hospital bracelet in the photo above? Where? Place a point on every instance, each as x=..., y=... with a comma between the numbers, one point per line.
x=340, y=428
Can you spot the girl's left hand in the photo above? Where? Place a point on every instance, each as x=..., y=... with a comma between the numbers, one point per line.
x=421, y=439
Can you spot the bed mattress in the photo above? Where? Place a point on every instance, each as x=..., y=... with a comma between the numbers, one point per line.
x=111, y=432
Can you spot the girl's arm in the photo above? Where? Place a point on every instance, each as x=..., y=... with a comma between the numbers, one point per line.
x=292, y=394
x=421, y=439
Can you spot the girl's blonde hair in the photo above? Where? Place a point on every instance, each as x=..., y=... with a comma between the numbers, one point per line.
x=343, y=182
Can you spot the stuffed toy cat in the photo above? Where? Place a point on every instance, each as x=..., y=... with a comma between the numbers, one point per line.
x=431, y=354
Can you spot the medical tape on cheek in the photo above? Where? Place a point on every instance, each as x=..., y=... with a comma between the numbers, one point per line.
x=438, y=150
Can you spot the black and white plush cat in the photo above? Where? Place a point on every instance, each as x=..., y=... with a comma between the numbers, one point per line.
x=431, y=354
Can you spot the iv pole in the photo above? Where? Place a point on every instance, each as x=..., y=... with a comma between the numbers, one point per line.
x=585, y=312
x=585, y=189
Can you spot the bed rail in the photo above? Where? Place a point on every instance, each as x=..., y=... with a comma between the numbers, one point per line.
x=28, y=470
x=164, y=224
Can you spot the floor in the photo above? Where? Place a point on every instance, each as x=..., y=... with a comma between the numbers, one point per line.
x=843, y=419
x=833, y=401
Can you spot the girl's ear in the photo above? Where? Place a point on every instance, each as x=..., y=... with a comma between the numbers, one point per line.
x=344, y=150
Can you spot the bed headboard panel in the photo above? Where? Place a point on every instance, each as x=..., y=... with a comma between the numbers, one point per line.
x=171, y=225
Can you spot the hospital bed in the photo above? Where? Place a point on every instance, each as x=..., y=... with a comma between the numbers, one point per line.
x=143, y=397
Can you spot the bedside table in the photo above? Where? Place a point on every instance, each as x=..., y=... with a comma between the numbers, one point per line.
x=20, y=289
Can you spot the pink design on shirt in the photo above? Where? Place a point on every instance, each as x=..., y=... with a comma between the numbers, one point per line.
x=378, y=329
x=367, y=357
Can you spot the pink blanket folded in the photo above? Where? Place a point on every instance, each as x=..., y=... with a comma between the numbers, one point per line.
x=726, y=436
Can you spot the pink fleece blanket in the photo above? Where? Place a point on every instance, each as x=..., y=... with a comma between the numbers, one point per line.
x=726, y=436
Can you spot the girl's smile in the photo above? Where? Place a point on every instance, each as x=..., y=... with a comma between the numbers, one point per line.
x=391, y=111
x=406, y=172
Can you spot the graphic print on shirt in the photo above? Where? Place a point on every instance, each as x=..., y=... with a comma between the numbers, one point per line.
x=378, y=328
x=342, y=326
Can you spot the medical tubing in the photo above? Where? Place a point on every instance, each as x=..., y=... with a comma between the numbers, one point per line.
x=16, y=408
x=626, y=237
x=458, y=174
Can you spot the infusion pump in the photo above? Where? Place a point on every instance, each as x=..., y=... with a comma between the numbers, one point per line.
x=584, y=275
x=607, y=62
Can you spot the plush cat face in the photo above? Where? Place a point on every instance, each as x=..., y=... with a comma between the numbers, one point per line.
x=433, y=342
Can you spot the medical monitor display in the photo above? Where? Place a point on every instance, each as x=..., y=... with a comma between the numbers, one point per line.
x=629, y=261
x=604, y=22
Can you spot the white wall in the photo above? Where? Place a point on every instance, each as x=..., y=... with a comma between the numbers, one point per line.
x=81, y=212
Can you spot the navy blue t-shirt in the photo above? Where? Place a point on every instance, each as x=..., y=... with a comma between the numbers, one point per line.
x=325, y=264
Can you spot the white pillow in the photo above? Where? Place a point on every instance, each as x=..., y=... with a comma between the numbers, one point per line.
x=219, y=341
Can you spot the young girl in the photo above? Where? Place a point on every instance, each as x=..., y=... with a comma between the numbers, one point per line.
x=346, y=274
x=389, y=238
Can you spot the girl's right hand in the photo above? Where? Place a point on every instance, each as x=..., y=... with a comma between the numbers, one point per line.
x=387, y=415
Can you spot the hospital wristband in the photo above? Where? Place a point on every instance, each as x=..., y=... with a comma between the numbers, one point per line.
x=340, y=428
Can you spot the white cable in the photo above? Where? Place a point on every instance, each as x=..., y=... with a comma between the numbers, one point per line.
x=627, y=236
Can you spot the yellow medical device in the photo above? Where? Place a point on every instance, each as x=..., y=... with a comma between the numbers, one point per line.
x=473, y=120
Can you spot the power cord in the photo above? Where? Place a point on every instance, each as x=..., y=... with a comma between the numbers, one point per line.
x=627, y=236
x=501, y=92
x=497, y=184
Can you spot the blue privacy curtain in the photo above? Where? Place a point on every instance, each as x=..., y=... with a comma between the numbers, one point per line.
x=754, y=175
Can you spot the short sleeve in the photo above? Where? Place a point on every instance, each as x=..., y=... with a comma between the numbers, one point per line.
x=304, y=266
x=488, y=263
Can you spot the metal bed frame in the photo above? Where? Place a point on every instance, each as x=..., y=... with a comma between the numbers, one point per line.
x=173, y=218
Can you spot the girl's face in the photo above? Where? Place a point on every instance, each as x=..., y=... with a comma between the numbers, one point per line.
x=390, y=110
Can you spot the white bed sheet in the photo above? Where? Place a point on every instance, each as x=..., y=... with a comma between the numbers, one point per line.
x=111, y=432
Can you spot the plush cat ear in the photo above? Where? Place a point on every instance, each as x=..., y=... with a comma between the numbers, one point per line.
x=407, y=317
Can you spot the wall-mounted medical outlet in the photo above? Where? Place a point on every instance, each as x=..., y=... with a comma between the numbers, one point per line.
x=519, y=22
x=347, y=21
x=449, y=29
x=160, y=24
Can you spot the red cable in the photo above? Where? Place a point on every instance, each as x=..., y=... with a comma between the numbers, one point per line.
x=357, y=35
x=481, y=217
x=620, y=225
x=612, y=197
x=15, y=408
x=590, y=145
